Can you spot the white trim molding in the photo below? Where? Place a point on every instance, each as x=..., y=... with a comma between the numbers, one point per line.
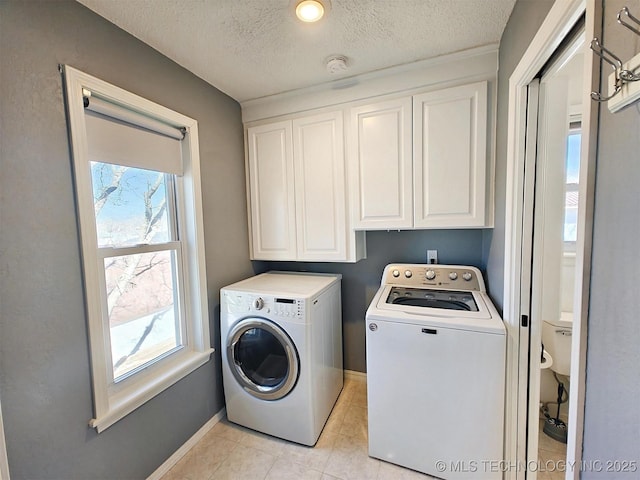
x=4, y=461
x=458, y=68
x=170, y=462
x=558, y=23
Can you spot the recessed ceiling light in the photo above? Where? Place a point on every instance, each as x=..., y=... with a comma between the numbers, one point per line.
x=309, y=10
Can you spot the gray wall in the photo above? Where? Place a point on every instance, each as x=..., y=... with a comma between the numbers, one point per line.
x=612, y=416
x=44, y=361
x=524, y=22
x=361, y=280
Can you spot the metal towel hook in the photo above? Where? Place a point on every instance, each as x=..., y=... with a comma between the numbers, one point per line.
x=623, y=74
x=609, y=57
x=628, y=75
x=606, y=54
x=625, y=11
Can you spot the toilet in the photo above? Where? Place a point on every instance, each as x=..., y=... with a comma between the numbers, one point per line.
x=556, y=337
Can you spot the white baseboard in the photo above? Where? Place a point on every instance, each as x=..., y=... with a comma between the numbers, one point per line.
x=353, y=375
x=182, y=451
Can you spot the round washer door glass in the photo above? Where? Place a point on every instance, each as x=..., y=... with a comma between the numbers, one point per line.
x=262, y=358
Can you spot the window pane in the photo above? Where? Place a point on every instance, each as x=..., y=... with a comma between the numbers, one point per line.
x=572, y=172
x=142, y=302
x=130, y=205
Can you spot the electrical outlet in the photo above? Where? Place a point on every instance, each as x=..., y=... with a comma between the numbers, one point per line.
x=432, y=256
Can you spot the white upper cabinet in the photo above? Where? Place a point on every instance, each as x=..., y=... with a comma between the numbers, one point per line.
x=380, y=144
x=297, y=186
x=408, y=149
x=421, y=161
x=419, y=153
x=272, y=195
x=318, y=159
x=450, y=157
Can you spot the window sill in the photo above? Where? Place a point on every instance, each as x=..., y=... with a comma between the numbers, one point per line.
x=127, y=399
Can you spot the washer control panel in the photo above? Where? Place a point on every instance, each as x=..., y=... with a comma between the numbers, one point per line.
x=453, y=277
x=247, y=303
x=288, y=307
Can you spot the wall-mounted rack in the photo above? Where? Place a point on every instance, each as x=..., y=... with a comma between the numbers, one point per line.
x=624, y=82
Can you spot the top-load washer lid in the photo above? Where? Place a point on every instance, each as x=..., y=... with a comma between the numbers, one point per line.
x=416, y=302
x=429, y=298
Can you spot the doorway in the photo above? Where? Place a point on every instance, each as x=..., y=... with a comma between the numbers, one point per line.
x=521, y=300
x=550, y=230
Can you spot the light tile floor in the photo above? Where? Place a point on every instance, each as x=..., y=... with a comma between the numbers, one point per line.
x=231, y=452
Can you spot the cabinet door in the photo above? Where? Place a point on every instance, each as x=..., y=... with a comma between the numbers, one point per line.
x=271, y=177
x=380, y=165
x=450, y=157
x=320, y=187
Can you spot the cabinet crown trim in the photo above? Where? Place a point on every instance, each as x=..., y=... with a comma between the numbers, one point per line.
x=468, y=66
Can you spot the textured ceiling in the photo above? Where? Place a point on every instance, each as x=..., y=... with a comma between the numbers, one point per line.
x=254, y=48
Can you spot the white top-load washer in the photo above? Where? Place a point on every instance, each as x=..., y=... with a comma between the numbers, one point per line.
x=281, y=337
x=436, y=372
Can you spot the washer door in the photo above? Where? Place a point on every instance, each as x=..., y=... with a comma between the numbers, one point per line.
x=262, y=358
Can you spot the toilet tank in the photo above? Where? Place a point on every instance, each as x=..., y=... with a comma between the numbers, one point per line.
x=556, y=337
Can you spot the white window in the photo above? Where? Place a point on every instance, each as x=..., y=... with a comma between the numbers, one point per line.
x=137, y=180
x=572, y=178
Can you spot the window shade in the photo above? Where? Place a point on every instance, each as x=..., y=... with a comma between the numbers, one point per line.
x=129, y=116
x=113, y=141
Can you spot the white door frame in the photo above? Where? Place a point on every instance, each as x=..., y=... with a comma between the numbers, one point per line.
x=4, y=461
x=561, y=18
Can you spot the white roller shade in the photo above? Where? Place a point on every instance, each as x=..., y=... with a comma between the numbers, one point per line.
x=113, y=141
x=108, y=109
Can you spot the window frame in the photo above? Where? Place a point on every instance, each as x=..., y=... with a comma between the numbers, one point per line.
x=113, y=401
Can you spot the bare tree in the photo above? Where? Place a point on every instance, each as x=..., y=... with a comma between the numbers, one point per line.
x=117, y=173
x=132, y=266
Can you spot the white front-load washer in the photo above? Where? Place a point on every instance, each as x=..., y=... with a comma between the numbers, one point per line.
x=281, y=338
x=436, y=372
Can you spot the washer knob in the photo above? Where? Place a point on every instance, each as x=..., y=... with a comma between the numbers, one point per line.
x=258, y=303
x=431, y=274
x=467, y=276
x=396, y=273
x=408, y=273
x=453, y=275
